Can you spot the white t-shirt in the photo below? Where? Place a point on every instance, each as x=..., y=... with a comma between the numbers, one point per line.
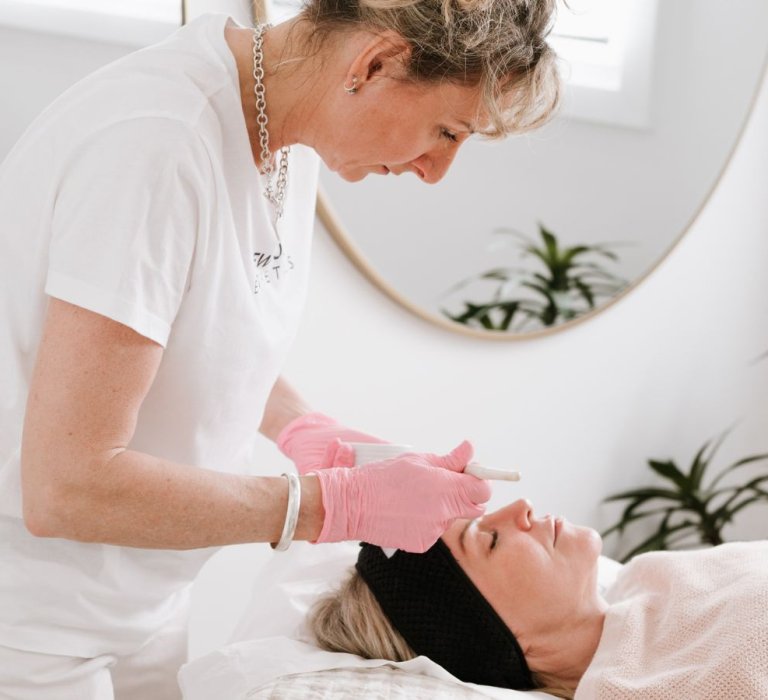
x=135, y=195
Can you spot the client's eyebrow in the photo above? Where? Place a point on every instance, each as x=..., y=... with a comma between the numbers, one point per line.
x=461, y=535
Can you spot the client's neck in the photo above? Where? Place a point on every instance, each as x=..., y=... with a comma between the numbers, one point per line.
x=565, y=657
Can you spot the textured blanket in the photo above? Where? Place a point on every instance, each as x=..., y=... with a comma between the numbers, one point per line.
x=685, y=626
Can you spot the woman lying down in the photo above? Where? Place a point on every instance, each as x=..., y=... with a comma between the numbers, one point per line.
x=511, y=600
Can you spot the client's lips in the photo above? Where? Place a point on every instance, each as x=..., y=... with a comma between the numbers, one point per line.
x=557, y=524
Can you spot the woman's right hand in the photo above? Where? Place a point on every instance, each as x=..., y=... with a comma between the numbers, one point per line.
x=315, y=441
x=407, y=502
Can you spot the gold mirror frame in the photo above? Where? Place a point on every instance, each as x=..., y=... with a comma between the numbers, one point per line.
x=340, y=235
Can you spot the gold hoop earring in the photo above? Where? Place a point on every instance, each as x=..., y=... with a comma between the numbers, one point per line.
x=351, y=90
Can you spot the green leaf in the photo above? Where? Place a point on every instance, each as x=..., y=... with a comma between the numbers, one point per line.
x=736, y=465
x=510, y=309
x=501, y=274
x=630, y=516
x=699, y=464
x=670, y=471
x=540, y=289
x=672, y=542
x=751, y=485
x=646, y=494
x=550, y=242
x=571, y=253
x=543, y=256
x=586, y=292
x=746, y=502
x=658, y=540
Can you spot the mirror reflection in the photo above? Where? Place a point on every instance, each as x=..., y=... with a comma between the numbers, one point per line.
x=535, y=231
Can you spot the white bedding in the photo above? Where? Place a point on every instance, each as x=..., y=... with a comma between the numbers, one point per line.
x=685, y=625
x=239, y=670
x=272, y=643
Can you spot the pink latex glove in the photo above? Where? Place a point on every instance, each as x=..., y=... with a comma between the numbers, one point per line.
x=315, y=441
x=406, y=502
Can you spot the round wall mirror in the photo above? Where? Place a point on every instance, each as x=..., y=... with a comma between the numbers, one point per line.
x=532, y=233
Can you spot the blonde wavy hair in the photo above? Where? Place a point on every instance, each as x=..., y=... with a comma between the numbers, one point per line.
x=350, y=620
x=498, y=45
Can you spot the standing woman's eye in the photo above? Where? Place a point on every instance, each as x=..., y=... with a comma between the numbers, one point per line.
x=450, y=136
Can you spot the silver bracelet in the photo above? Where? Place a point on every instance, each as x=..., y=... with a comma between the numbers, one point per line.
x=291, y=514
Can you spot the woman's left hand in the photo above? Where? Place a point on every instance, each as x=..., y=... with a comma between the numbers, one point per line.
x=315, y=441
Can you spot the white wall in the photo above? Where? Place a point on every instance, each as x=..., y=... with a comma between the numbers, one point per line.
x=578, y=412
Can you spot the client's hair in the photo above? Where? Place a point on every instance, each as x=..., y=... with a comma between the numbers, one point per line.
x=351, y=620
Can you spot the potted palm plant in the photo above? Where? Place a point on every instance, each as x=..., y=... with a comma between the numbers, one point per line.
x=562, y=283
x=689, y=508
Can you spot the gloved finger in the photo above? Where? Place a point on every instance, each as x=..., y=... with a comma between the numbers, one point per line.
x=456, y=460
x=338, y=454
x=285, y=438
x=475, y=490
x=470, y=511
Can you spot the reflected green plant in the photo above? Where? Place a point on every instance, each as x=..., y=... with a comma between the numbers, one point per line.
x=687, y=510
x=563, y=283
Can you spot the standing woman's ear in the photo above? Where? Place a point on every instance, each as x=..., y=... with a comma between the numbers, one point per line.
x=382, y=56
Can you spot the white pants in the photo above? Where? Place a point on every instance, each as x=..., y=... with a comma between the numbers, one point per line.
x=148, y=674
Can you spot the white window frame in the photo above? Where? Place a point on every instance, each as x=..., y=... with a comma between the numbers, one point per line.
x=134, y=23
x=598, y=87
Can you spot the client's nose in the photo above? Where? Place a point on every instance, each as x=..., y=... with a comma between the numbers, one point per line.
x=519, y=514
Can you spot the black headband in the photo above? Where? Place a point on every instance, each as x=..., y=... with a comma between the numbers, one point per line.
x=433, y=604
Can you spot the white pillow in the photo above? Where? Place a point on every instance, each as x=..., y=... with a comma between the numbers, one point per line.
x=272, y=638
x=236, y=671
x=287, y=587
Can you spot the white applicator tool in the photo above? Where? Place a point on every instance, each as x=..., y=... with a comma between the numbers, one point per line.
x=482, y=472
x=373, y=452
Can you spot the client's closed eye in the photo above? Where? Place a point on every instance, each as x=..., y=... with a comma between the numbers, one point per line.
x=494, y=538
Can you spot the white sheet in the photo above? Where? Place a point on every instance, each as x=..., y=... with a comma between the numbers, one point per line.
x=685, y=625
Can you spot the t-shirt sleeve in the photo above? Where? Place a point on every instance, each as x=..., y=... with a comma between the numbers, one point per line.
x=127, y=216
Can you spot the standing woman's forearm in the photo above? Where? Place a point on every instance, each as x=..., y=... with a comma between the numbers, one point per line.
x=284, y=405
x=138, y=500
x=81, y=481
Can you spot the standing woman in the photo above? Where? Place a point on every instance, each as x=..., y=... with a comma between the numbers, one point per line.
x=156, y=222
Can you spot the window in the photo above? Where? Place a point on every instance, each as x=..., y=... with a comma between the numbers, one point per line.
x=606, y=47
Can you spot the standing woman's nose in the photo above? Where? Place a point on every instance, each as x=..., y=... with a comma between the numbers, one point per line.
x=434, y=165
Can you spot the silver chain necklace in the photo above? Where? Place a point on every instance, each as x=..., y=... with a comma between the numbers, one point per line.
x=276, y=193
